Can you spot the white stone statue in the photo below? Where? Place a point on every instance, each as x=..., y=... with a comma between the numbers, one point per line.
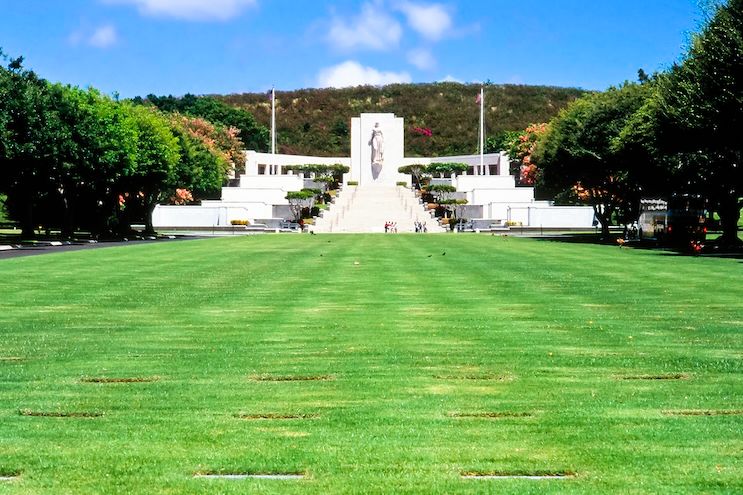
x=377, y=145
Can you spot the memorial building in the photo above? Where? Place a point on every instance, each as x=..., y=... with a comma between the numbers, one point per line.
x=374, y=192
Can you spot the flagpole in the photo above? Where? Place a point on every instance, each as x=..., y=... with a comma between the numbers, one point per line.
x=273, y=128
x=482, y=131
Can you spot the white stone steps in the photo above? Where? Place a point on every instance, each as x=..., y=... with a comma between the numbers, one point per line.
x=366, y=208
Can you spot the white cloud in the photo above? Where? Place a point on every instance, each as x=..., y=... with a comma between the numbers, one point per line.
x=422, y=58
x=431, y=21
x=192, y=10
x=352, y=73
x=372, y=29
x=103, y=37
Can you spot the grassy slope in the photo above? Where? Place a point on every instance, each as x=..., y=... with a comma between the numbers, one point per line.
x=317, y=121
x=495, y=325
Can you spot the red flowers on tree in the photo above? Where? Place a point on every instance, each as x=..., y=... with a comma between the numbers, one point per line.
x=181, y=197
x=423, y=131
x=522, y=148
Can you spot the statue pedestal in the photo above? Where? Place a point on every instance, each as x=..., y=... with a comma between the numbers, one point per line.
x=362, y=169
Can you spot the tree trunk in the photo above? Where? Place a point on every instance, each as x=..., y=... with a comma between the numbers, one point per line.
x=151, y=203
x=148, y=228
x=27, y=217
x=729, y=211
x=68, y=227
x=604, y=220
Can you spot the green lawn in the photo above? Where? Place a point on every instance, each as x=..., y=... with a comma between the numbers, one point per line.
x=372, y=364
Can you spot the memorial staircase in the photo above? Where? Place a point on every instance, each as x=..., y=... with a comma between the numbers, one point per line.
x=366, y=208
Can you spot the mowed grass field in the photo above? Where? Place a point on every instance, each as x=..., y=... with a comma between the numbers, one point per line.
x=371, y=364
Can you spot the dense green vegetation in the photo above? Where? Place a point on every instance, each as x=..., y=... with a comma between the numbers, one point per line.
x=676, y=133
x=317, y=121
x=373, y=364
x=578, y=150
x=253, y=135
x=3, y=213
x=73, y=159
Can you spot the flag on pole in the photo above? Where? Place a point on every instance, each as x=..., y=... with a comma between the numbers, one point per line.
x=481, y=101
x=478, y=99
x=272, y=99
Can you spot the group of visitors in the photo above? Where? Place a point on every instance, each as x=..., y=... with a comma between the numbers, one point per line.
x=391, y=227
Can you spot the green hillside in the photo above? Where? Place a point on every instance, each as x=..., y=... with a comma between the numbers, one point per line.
x=317, y=121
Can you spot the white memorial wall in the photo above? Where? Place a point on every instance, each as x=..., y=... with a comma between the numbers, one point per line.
x=377, y=152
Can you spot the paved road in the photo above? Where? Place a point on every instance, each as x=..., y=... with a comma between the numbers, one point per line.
x=46, y=249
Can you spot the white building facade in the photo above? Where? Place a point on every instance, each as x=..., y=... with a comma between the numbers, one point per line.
x=377, y=152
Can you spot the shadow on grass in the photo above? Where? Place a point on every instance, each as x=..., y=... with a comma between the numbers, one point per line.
x=711, y=250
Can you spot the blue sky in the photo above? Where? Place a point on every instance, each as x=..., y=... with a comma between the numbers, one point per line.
x=136, y=47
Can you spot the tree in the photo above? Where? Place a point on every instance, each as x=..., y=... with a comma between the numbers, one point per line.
x=157, y=153
x=659, y=174
x=416, y=170
x=578, y=152
x=521, y=147
x=203, y=168
x=106, y=139
x=29, y=136
x=699, y=107
x=326, y=176
x=443, y=194
x=454, y=207
x=253, y=135
x=46, y=145
x=446, y=168
x=77, y=159
x=299, y=200
x=501, y=141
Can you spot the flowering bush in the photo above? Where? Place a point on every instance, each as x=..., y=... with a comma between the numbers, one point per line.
x=181, y=197
x=223, y=142
x=423, y=131
x=528, y=173
x=522, y=149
